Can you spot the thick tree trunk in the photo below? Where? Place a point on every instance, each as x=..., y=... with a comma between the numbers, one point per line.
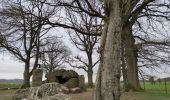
x=26, y=82
x=97, y=89
x=131, y=53
x=110, y=54
x=90, y=77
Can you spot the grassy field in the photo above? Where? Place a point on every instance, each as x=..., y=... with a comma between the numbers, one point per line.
x=149, y=95
x=152, y=92
x=8, y=85
x=156, y=87
x=6, y=94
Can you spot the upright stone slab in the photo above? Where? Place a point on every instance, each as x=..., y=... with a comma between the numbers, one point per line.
x=37, y=77
x=82, y=82
x=51, y=78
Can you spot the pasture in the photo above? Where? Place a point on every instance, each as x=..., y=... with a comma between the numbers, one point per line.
x=9, y=85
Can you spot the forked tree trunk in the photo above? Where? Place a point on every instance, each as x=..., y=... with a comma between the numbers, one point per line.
x=131, y=53
x=108, y=87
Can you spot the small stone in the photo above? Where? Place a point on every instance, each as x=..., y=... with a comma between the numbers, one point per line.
x=75, y=90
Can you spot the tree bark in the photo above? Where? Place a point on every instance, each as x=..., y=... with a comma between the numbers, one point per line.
x=131, y=53
x=26, y=82
x=90, y=69
x=110, y=54
x=90, y=77
x=97, y=89
x=124, y=68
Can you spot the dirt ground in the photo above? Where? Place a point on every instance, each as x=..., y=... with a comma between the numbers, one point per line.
x=7, y=95
x=82, y=96
x=88, y=95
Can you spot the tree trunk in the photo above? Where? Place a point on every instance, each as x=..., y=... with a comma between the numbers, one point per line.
x=26, y=82
x=90, y=77
x=110, y=54
x=90, y=69
x=131, y=53
x=124, y=69
x=97, y=88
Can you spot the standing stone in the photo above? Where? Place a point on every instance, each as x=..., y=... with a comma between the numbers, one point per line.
x=82, y=82
x=51, y=78
x=37, y=77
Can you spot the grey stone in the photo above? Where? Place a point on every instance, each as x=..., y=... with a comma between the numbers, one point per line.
x=82, y=82
x=72, y=83
x=48, y=90
x=59, y=96
x=37, y=77
x=21, y=94
x=51, y=89
x=75, y=90
x=68, y=78
x=70, y=74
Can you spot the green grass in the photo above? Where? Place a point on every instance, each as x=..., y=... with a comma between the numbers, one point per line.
x=6, y=94
x=148, y=95
x=9, y=85
x=156, y=87
x=152, y=92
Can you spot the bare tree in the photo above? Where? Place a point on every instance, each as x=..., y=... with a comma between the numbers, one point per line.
x=119, y=18
x=109, y=71
x=147, y=18
x=54, y=53
x=85, y=43
x=22, y=30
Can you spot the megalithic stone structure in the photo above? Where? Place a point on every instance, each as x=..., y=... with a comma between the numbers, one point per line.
x=37, y=77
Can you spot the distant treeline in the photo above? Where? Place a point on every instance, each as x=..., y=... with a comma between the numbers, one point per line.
x=158, y=79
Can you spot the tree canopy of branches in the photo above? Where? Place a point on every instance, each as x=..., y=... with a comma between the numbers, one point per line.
x=122, y=20
x=22, y=32
x=54, y=53
x=85, y=43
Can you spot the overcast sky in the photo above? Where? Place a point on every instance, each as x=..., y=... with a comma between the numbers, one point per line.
x=10, y=68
